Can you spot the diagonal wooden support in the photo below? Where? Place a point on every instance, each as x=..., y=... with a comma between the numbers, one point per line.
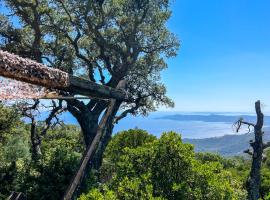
x=91, y=149
x=26, y=70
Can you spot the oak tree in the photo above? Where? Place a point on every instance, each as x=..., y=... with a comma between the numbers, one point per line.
x=103, y=41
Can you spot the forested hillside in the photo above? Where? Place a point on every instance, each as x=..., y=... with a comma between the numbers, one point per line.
x=136, y=165
x=227, y=145
x=104, y=61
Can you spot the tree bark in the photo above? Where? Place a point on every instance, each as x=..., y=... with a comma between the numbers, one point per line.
x=254, y=180
x=97, y=160
x=35, y=141
x=29, y=71
x=26, y=70
x=94, y=140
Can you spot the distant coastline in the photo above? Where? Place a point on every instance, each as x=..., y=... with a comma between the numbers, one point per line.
x=191, y=125
x=213, y=117
x=207, y=131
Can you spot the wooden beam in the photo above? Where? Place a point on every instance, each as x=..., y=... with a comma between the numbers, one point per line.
x=26, y=70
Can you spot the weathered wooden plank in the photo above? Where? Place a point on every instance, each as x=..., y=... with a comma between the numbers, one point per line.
x=26, y=70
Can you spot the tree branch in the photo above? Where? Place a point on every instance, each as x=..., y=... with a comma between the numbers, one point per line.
x=238, y=124
x=29, y=71
x=53, y=114
x=248, y=151
x=266, y=145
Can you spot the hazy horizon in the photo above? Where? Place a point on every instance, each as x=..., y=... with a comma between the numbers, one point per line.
x=202, y=126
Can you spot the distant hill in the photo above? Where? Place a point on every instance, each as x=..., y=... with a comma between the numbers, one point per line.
x=227, y=145
x=192, y=125
x=213, y=118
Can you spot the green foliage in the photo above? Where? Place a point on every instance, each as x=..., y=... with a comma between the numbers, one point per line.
x=136, y=165
x=61, y=153
x=103, y=41
x=126, y=141
x=9, y=122
x=47, y=178
x=172, y=166
x=265, y=185
x=97, y=195
x=130, y=139
x=162, y=168
x=13, y=147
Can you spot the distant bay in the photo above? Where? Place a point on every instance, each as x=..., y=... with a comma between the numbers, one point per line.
x=189, y=125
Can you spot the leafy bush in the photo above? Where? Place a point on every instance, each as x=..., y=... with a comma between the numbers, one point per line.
x=47, y=178
x=140, y=166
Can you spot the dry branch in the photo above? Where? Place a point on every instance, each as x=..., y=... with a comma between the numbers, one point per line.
x=254, y=180
x=238, y=124
x=266, y=145
x=26, y=70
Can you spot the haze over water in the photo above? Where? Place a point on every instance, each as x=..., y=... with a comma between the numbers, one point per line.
x=188, y=124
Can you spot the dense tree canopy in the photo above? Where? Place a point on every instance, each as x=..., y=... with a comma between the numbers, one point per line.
x=103, y=41
x=165, y=168
x=136, y=165
x=46, y=179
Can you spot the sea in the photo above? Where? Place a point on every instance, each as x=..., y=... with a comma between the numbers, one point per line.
x=195, y=125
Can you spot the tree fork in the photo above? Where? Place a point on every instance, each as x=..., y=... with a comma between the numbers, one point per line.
x=91, y=149
x=26, y=70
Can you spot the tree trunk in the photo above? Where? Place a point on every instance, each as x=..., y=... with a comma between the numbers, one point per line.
x=89, y=126
x=35, y=142
x=254, y=180
x=98, y=157
x=96, y=133
x=88, y=121
x=91, y=149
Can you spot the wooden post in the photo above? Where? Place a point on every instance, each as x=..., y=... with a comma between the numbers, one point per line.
x=29, y=71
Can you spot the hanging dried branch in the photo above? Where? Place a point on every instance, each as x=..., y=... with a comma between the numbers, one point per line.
x=26, y=70
x=29, y=71
x=17, y=90
x=238, y=124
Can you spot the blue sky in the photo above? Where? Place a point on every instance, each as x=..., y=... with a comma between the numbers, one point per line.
x=224, y=60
